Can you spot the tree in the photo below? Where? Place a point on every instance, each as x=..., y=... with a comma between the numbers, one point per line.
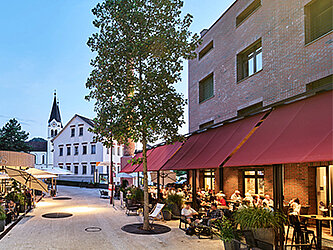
x=140, y=48
x=12, y=137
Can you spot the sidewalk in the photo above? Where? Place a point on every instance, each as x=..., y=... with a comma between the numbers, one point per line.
x=35, y=232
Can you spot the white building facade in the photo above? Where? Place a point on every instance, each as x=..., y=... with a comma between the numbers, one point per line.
x=39, y=150
x=76, y=150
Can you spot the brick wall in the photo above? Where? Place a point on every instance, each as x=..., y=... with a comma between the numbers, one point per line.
x=288, y=64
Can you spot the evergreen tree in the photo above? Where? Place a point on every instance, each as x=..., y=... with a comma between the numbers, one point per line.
x=140, y=48
x=13, y=138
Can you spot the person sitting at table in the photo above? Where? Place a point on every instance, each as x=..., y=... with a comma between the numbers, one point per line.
x=189, y=212
x=220, y=199
x=268, y=201
x=266, y=207
x=249, y=199
x=295, y=207
x=236, y=196
x=12, y=209
x=214, y=213
x=323, y=208
x=257, y=202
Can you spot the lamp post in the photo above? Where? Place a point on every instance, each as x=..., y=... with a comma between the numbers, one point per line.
x=111, y=174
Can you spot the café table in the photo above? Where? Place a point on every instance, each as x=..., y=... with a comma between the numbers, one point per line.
x=319, y=225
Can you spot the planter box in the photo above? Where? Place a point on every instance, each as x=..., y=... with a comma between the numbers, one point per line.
x=265, y=234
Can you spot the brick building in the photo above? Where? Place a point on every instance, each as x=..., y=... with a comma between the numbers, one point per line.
x=258, y=56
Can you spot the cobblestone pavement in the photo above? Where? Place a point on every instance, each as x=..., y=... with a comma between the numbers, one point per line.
x=36, y=232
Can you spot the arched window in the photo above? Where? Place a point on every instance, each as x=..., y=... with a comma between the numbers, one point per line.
x=51, y=132
x=36, y=160
x=55, y=132
x=43, y=159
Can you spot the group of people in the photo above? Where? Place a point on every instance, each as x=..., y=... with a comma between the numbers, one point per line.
x=252, y=200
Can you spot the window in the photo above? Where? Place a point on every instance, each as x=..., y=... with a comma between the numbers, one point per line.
x=249, y=61
x=69, y=167
x=250, y=109
x=320, y=83
x=247, y=12
x=84, y=149
x=113, y=151
x=206, y=88
x=254, y=182
x=206, y=49
x=52, y=134
x=55, y=132
x=93, y=169
x=61, y=166
x=76, y=169
x=318, y=19
x=68, y=150
x=118, y=151
x=84, y=169
x=36, y=159
x=209, y=179
x=81, y=131
x=76, y=150
x=206, y=124
x=43, y=159
x=107, y=151
x=93, y=149
x=72, y=132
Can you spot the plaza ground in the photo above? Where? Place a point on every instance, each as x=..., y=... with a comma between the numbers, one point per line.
x=36, y=232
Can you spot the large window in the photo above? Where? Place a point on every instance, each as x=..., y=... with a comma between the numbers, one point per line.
x=93, y=169
x=76, y=150
x=76, y=169
x=254, y=182
x=249, y=61
x=206, y=88
x=69, y=167
x=209, y=179
x=248, y=12
x=84, y=169
x=61, y=151
x=68, y=150
x=318, y=19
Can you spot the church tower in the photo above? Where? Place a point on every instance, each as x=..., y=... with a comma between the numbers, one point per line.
x=54, y=126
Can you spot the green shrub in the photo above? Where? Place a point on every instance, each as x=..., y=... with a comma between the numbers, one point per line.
x=226, y=230
x=254, y=217
x=2, y=213
x=175, y=199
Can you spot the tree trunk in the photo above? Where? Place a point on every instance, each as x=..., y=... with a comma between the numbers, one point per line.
x=145, y=187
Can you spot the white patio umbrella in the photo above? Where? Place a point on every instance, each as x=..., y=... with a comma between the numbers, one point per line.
x=25, y=178
x=40, y=174
x=124, y=175
x=56, y=170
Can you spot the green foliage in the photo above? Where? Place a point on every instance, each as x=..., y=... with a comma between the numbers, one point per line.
x=2, y=213
x=15, y=196
x=140, y=48
x=226, y=230
x=175, y=199
x=12, y=137
x=256, y=217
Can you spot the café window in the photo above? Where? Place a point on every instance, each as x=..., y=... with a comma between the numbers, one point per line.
x=206, y=88
x=254, y=182
x=249, y=61
x=318, y=19
x=209, y=179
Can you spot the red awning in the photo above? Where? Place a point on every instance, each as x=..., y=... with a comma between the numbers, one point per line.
x=129, y=168
x=159, y=156
x=298, y=132
x=210, y=148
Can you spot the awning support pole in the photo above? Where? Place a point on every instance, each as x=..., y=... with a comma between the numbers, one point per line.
x=138, y=179
x=220, y=179
x=278, y=198
x=194, y=188
x=158, y=185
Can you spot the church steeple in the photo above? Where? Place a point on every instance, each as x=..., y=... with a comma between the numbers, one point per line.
x=55, y=112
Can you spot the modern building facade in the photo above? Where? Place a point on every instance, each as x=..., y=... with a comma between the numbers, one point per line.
x=76, y=150
x=261, y=55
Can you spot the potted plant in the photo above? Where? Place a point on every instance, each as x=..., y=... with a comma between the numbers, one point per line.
x=226, y=231
x=175, y=202
x=262, y=222
x=2, y=218
x=167, y=212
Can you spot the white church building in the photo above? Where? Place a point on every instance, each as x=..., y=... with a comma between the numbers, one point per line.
x=74, y=149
